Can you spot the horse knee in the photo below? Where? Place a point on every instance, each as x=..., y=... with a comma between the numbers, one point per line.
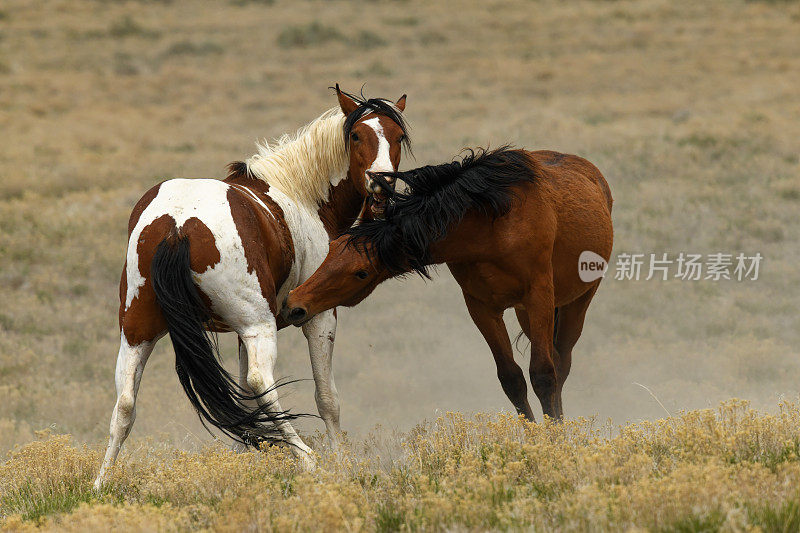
x=124, y=415
x=544, y=383
x=256, y=381
x=564, y=364
x=512, y=379
x=543, y=366
x=328, y=404
x=328, y=399
x=125, y=405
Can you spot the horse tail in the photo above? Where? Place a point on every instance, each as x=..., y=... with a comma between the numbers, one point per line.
x=211, y=389
x=555, y=323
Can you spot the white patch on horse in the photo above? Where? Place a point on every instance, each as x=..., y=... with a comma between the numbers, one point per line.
x=128, y=374
x=382, y=163
x=308, y=236
x=336, y=178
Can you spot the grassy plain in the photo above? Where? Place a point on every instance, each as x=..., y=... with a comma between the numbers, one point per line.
x=691, y=110
x=727, y=469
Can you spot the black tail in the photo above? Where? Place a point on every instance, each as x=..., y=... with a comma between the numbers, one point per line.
x=214, y=393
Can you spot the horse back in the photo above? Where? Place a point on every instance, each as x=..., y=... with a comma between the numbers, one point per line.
x=558, y=165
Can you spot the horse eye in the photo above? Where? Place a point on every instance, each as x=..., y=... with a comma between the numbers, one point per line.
x=361, y=274
x=354, y=136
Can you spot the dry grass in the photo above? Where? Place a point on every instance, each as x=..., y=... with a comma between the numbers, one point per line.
x=731, y=469
x=691, y=110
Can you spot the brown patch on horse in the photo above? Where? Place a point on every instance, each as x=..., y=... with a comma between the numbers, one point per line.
x=143, y=321
x=141, y=205
x=203, y=253
x=136, y=213
x=239, y=175
x=267, y=243
x=342, y=208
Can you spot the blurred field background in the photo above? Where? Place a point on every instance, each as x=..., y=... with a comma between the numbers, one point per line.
x=690, y=109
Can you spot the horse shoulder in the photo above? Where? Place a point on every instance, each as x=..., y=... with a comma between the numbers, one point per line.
x=266, y=238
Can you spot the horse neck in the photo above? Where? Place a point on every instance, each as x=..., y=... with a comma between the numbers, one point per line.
x=342, y=208
x=466, y=241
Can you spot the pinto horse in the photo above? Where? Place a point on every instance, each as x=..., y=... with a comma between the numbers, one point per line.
x=511, y=226
x=209, y=255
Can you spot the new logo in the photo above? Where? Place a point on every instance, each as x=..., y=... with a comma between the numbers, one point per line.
x=591, y=266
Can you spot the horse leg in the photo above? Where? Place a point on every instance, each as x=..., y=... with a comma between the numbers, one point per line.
x=237, y=446
x=261, y=343
x=320, y=332
x=544, y=378
x=568, y=330
x=128, y=375
x=524, y=321
x=490, y=324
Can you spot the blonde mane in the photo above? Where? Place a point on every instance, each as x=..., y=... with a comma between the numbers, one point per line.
x=304, y=165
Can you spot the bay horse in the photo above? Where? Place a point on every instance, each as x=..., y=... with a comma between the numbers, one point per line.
x=511, y=226
x=208, y=255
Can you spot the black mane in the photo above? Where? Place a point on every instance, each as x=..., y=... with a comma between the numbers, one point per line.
x=438, y=197
x=379, y=106
x=238, y=169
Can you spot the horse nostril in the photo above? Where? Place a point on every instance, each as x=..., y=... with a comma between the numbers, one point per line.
x=297, y=314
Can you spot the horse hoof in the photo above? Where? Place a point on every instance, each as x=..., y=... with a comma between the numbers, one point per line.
x=239, y=447
x=308, y=463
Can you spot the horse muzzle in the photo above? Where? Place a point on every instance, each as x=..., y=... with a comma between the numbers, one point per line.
x=380, y=188
x=297, y=316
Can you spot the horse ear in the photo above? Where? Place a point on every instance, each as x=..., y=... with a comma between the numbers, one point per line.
x=347, y=104
x=401, y=103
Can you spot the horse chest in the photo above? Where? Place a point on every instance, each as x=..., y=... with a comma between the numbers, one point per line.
x=309, y=239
